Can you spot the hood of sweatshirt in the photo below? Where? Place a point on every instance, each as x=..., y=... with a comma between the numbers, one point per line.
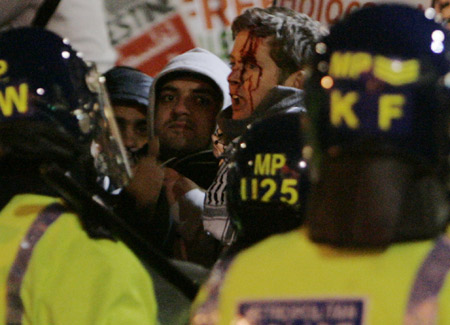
x=199, y=61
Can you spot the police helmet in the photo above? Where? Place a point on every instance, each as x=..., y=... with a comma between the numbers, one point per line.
x=268, y=178
x=43, y=79
x=378, y=102
x=382, y=84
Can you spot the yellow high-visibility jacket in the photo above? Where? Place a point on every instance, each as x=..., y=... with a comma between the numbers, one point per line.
x=54, y=273
x=287, y=279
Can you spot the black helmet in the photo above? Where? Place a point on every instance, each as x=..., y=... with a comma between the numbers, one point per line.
x=48, y=93
x=43, y=78
x=378, y=101
x=127, y=85
x=268, y=178
x=378, y=77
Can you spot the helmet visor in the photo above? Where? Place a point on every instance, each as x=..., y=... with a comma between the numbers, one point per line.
x=110, y=153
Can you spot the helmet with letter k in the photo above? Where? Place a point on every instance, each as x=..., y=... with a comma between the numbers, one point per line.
x=378, y=99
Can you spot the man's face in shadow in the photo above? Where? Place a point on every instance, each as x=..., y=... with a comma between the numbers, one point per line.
x=186, y=109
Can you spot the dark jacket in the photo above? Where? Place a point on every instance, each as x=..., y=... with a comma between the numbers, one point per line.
x=215, y=215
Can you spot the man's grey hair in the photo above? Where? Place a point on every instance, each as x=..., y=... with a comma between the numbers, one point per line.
x=294, y=35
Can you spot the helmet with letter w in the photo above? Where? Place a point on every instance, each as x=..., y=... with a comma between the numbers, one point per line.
x=268, y=178
x=51, y=102
x=378, y=101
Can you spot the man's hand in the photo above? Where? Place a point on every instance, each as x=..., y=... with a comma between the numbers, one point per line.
x=148, y=177
x=176, y=185
x=218, y=144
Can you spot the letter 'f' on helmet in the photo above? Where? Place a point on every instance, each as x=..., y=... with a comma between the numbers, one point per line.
x=378, y=99
x=42, y=78
x=379, y=82
x=268, y=178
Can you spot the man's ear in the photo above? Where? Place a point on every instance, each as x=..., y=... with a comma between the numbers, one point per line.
x=295, y=79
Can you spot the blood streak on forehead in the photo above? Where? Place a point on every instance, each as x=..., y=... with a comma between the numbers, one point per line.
x=248, y=56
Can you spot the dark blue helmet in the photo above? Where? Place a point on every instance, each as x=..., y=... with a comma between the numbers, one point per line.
x=379, y=81
x=268, y=178
x=378, y=99
x=43, y=78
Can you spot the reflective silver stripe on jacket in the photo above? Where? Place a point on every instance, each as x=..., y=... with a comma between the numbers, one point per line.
x=45, y=218
x=208, y=311
x=423, y=304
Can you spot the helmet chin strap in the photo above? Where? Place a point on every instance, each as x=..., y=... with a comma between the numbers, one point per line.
x=45, y=12
x=375, y=201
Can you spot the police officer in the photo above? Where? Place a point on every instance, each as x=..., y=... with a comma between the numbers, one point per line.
x=52, y=270
x=268, y=179
x=373, y=249
x=268, y=184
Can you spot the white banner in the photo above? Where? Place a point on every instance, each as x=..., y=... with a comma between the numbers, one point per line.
x=147, y=33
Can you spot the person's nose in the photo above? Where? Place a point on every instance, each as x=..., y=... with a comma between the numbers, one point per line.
x=181, y=107
x=129, y=137
x=235, y=75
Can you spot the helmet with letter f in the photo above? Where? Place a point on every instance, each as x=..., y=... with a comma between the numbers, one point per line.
x=378, y=99
x=268, y=179
x=51, y=101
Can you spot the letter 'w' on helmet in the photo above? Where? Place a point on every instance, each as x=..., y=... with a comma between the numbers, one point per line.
x=43, y=79
x=268, y=178
x=378, y=100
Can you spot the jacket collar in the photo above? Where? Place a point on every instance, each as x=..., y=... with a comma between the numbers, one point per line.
x=278, y=99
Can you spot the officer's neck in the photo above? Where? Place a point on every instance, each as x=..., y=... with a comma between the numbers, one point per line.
x=14, y=181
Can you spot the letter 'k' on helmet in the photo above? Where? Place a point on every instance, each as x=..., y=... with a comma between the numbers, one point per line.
x=378, y=99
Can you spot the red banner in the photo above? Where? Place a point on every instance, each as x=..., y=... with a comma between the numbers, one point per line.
x=151, y=50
